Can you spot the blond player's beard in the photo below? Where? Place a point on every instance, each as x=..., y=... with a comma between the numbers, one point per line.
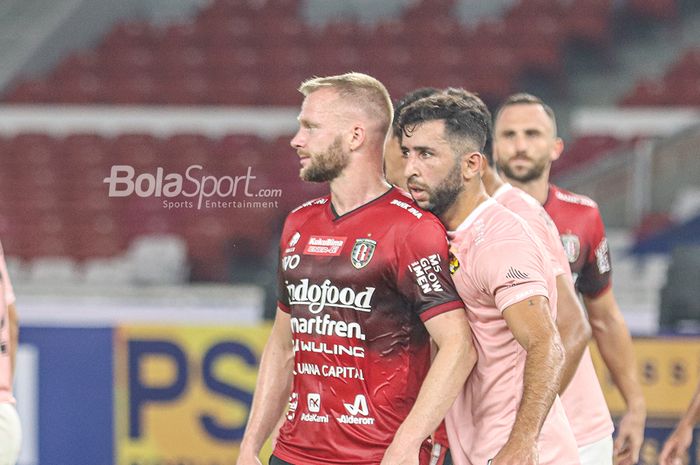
x=326, y=166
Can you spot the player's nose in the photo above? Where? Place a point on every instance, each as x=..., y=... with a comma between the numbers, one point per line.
x=520, y=144
x=297, y=140
x=410, y=167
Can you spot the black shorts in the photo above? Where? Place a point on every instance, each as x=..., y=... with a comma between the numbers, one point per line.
x=277, y=461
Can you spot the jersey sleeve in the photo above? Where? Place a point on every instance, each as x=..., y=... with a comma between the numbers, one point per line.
x=5, y=277
x=424, y=272
x=511, y=271
x=595, y=274
x=282, y=295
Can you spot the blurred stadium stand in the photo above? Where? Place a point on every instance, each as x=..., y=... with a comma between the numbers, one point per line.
x=252, y=55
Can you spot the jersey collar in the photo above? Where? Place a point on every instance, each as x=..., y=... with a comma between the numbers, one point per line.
x=475, y=214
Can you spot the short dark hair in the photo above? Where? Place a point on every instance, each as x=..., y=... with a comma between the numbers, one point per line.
x=408, y=99
x=481, y=106
x=523, y=98
x=464, y=121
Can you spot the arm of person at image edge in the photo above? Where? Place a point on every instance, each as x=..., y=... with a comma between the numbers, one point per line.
x=533, y=327
x=615, y=345
x=679, y=441
x=271, y=390
x=13, y=321
x=14, y=335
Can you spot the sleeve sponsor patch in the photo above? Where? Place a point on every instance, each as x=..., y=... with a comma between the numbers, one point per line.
x=426, y=271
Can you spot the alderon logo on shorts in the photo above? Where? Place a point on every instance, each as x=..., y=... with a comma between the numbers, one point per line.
x=325, y=245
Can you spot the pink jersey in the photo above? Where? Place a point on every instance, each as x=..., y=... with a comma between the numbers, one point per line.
x=500, y=264
x=583, y=400
x=7, y=297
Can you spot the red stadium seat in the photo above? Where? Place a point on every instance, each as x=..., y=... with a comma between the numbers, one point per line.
x=84, y=89
x=182, y=35
x=227, y=31
x=132, y=33
x=134, y=90
x=85, y=151
x=241, y=90
x=189, y=89
x=183, y=150
x=586, y=24
x=142, y=151
x=646, y=93
x=29, y=91
x=173, y=61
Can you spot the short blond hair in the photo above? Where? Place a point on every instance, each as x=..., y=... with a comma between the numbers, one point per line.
x=361, y=89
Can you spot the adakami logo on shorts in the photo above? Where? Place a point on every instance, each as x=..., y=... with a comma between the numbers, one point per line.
x=325, y=245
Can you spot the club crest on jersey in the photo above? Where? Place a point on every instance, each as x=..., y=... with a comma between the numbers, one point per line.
x=572, y=246
x=454, y=263
x=362, y=252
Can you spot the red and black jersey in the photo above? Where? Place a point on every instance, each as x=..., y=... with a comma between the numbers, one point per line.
x=583, y=235
x=358, y=288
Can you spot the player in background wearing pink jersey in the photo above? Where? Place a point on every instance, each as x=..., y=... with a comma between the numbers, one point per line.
x=525, y=145
x=10, y=429
x=508, y=411
x=379, y=313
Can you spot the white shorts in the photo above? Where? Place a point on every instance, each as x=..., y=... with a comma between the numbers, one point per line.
x=10, y=434
x=597, y=453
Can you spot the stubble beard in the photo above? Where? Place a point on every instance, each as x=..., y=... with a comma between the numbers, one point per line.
x=445, y=194
x=326, y=166
x=532, y=174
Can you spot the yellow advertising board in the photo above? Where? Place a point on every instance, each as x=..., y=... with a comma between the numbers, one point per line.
x=668, y=370
x=183, y=393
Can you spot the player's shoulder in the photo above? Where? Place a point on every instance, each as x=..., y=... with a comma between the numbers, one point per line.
x=403, y=212
x=527, y=199
x=304, y=213
x=564, y=197
x=309, y=207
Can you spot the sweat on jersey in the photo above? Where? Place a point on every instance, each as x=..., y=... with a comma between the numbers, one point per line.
x=583, y=400
x=7, y=297
x=358, y=288
x=500, y=263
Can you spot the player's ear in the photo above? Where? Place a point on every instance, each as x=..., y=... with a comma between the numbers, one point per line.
x=471, y=165
x=558, y=148
x=357, y=137
x=484, y=164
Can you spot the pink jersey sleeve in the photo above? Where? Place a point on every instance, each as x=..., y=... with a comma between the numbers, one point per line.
x=512, y=271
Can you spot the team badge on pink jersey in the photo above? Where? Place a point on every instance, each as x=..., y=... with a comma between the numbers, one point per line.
x=362, y=252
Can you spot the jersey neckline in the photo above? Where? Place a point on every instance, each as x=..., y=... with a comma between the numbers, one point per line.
x=335, y=217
